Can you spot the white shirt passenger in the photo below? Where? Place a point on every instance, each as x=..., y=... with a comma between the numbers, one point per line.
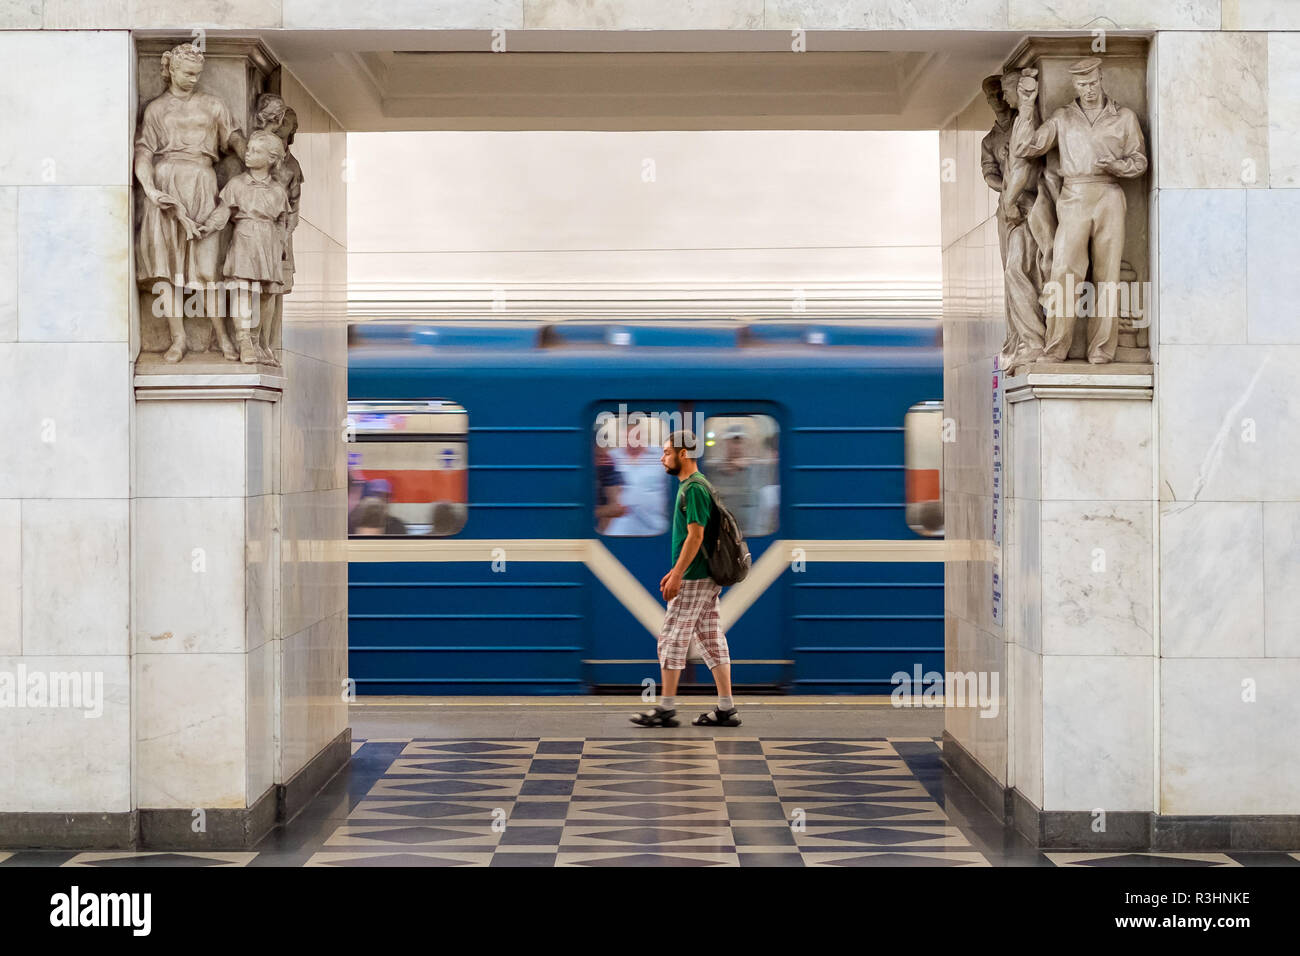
x=644, y=493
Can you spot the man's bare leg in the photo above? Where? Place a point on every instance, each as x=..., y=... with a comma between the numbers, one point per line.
x=670, y=679
x=722, y=677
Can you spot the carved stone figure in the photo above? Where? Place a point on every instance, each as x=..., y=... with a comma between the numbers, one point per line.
x=289, y=174
x=1016, y=180
x=1099, y=142
x=182, y=134
x=259, y=207
x=270, y=112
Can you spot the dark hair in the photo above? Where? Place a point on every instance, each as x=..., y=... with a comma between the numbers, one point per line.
x=371, y=513
x=446, y=518
x=685, y=440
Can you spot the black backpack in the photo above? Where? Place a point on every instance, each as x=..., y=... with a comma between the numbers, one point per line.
x=724, y=545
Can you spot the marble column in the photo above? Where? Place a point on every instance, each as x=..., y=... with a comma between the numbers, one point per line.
x=205, y=559
x=239, y=568
x=1079, y=593
x=1149, y=559
x=172, y=538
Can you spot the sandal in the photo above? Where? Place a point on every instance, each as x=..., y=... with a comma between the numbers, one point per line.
x=656, y=718
x=717, y=718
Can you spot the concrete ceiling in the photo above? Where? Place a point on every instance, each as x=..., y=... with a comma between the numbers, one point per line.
x=640, y=80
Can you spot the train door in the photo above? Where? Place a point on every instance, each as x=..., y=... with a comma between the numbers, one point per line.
x=630, y=520
x=633, y=500
x=741, y=458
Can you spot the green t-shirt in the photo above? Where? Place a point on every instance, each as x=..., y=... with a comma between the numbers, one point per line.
x=694, y=492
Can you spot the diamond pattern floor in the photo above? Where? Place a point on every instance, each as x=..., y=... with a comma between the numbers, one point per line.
x=638, y=801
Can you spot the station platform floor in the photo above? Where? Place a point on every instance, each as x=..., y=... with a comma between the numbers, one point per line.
x=540, y=782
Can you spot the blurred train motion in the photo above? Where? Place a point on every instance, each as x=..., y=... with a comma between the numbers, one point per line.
x=509, y=516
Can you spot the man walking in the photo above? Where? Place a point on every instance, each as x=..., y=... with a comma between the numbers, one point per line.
x=691, y=594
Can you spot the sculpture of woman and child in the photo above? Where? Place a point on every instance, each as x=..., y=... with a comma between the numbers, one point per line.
x=182, y=135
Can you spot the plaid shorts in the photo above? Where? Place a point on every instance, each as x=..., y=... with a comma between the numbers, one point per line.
x=693, y=613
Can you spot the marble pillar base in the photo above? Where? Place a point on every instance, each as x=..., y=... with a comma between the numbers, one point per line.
x=235, y=829
x=69, y=831
x=226, y=829
x=1126, y=831
x=293, y=795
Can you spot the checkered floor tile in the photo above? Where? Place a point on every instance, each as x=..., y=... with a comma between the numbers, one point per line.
x=644, y=801
x=731, y=801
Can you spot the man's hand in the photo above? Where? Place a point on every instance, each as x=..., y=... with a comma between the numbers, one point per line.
x=670, y=585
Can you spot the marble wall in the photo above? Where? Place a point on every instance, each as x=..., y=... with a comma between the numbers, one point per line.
x=973, y=330
x=66, y=409
x=1227, y=340
x=311, y=646
x=655, y=14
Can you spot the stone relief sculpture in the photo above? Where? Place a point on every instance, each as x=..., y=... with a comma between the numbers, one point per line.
x=259, y=207
x=182, y=135
x=1017, y=180
x=1098, y=143
x=211, y=253
x=270, y=112
x=289, y=175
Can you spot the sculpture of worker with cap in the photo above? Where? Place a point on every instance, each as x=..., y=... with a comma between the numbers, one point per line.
x=1100, y=142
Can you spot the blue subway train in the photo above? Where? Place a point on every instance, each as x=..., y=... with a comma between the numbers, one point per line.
x=509, y=518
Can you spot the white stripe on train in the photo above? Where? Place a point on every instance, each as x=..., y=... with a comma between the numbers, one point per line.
x=632, y=594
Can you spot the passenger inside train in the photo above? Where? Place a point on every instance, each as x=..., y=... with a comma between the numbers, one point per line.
x=642, y=481
x=609, y=488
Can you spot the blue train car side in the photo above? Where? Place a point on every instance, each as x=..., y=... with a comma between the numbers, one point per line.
x=564, y=609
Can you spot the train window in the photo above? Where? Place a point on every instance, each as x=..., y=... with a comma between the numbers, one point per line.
x=741, y=462
x=923, y=461
x=407, y=465
x=631, y=484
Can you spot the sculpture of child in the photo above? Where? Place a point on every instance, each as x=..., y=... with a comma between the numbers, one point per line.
x=259, y=206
